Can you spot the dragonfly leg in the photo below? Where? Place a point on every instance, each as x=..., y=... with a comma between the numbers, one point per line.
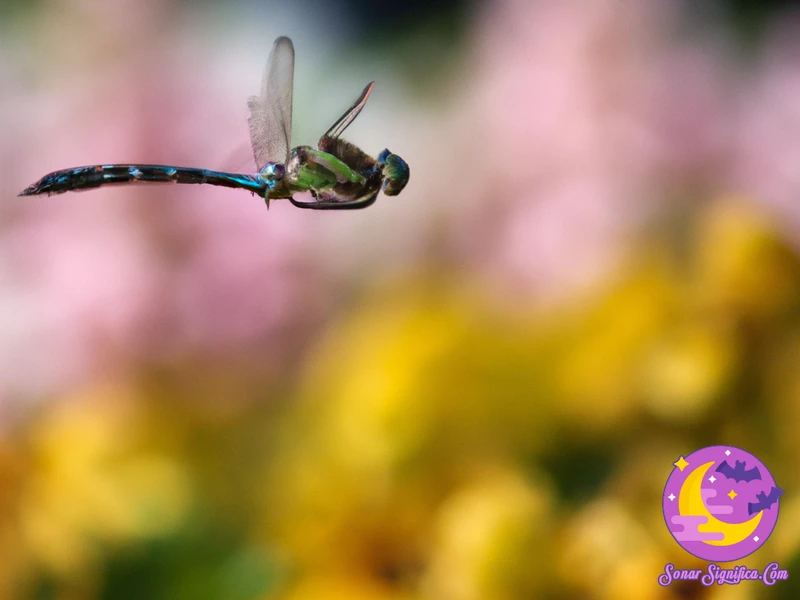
x=356, y=204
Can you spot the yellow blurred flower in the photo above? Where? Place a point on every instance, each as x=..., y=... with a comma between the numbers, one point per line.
x=601, y=344
x=687, y=369
x=490, y=540
x=743, y=266
x=608, y=554
x=424, y=368
x=404, y=399
x=92, y=484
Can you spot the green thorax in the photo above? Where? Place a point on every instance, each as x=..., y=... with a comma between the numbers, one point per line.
x=310, y=169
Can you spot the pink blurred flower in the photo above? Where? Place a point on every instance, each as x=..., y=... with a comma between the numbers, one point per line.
x=765, y=163
x=589, y=115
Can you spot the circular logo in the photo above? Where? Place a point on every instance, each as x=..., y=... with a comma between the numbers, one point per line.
x=720, y=503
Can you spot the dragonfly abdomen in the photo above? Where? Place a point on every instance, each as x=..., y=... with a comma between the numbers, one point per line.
x=84, y=178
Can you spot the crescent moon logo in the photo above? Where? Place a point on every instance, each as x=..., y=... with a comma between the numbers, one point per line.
x=720, y=503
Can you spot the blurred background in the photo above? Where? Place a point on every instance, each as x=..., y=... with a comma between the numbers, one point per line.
x=475, y=390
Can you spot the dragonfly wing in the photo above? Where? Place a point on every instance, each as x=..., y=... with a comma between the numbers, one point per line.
x=350, y=115
x=271, y=111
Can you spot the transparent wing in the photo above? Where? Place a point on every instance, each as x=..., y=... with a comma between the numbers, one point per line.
x=350, y=115
x=271, y=111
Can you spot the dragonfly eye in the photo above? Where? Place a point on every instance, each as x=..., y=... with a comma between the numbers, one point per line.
x=396, y=172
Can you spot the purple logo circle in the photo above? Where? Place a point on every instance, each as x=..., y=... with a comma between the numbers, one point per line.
x=720, y=503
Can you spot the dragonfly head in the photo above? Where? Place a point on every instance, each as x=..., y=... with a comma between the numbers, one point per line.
x=272, y=173
x=395, y=171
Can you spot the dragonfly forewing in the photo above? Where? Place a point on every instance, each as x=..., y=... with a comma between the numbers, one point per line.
x=271, y=111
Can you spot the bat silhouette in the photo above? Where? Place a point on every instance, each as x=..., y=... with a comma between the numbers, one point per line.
x=765, y=501
x=739, y=472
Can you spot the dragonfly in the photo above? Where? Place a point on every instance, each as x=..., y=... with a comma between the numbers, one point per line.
x=337, y=174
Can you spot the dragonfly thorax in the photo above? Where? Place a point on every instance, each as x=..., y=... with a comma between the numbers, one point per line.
x=272, y=173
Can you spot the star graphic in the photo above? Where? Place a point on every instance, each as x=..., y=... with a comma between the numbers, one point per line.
x=732, y=494
x=712, y=479
x=727, y=452
x=681, y=463
x=671, y=497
